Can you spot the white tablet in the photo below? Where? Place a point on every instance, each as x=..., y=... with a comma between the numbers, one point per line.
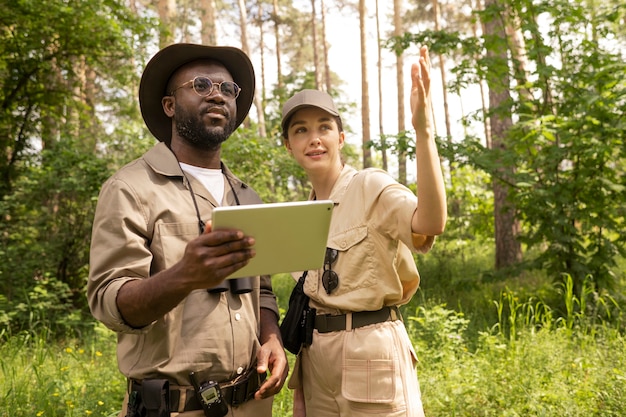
x=289, y=236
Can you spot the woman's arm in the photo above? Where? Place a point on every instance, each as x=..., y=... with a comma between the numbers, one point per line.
x=431, y=214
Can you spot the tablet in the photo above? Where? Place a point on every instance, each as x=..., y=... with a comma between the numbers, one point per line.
x=289, y=236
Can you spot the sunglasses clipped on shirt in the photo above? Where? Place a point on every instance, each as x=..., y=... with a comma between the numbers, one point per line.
x=330, y=279
x=203, y=87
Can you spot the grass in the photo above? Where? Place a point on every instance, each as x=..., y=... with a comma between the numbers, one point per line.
x=495, y=350
x=73, y=378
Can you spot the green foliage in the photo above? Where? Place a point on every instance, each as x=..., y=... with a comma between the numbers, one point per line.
x=527, y=362
x=399, y=144
x=66, y=71
x=438, y=330
x=266, y=165
x=45, y=238
x=540, y=366
x=49, y=58
x=564, y=157
x=71, y=378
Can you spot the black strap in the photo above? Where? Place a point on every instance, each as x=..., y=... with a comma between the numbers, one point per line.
x=234, y=392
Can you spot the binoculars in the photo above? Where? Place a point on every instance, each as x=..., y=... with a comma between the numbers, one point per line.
x=237, y=286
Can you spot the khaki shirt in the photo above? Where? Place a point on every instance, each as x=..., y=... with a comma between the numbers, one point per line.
x=144, y=218
x=371, y=229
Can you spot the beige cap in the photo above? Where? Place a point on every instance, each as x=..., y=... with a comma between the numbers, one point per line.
x=307, y=98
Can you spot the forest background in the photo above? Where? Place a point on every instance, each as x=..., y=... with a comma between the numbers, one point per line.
x=520, y=311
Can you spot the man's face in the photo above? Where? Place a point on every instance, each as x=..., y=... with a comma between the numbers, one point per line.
x=203, y=122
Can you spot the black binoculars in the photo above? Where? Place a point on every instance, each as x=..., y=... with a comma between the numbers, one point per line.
x=237, y=286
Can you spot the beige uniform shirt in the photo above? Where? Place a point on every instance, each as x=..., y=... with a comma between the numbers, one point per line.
x=144, y=219
x=371, y=229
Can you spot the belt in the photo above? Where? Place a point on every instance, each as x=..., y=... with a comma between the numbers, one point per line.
x=234, y=392
x=325, y=323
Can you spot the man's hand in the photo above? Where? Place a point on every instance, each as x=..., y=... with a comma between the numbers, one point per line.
x=207, y=260
x=271, y=357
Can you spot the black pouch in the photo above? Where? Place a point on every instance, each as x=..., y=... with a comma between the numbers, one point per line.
x=296, y=328
x=155, y=396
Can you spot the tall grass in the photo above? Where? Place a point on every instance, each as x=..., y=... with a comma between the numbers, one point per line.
x=72, y=378
x=529, y=360
x=529, y=363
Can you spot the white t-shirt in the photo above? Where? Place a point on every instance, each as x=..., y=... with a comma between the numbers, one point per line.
x=212, y=179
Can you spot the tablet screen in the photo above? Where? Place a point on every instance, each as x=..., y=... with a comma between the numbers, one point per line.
x=289, y=237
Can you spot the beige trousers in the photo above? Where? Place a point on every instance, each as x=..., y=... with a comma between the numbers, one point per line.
x=369, y=371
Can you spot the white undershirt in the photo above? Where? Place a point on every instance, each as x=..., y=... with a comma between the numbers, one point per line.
x=212, y=179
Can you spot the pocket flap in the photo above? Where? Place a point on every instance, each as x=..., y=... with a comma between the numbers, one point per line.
x=348, y=238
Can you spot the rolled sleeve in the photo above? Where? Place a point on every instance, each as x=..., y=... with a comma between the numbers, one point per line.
x=110, y=313
x=118, y=253
x=267, y=296
x=422, y=243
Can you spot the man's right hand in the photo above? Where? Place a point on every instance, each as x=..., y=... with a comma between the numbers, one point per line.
x=207, y=261
x=214, y=255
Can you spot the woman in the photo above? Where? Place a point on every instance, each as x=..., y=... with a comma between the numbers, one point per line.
x=361, y=361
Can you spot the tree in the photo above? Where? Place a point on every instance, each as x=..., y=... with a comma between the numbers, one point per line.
x=59, y=88
x=365, y=107
x=379, y=49
x=508, y=249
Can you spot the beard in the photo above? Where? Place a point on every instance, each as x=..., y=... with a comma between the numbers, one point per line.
x=191, y=128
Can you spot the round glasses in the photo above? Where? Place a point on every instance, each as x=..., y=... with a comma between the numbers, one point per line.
x=203, y=87
x=330, y=279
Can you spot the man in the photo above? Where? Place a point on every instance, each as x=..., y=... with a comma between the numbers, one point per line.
x=157, y=269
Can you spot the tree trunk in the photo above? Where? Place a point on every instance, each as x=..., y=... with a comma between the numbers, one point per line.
x=481, y=85
x=167, y=13
x=327, y=78
x=398, y=30
x=243, y=22
x=276, y=20
x=208, y=32
x=508, y=249
x=383, y=143
x=316, y=60
x=365, y=107
x=442, y=69
x=262, y=52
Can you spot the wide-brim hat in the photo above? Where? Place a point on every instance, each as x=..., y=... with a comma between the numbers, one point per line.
x=307, y=98
x=165, y=62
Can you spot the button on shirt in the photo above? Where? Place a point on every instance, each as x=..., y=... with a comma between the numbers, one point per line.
x=144, y=219
x=371, y=229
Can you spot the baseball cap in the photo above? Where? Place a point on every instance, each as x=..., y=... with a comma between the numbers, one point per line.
x=307, y=98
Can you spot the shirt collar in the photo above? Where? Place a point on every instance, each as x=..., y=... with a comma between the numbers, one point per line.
x=163, y=161
x=339, y=189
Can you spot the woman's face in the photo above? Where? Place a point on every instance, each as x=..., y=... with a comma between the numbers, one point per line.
x=314, y=139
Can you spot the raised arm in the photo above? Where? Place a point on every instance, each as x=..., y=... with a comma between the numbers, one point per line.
x=431, y=214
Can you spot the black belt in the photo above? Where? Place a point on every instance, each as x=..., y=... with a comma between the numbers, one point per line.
x=234, y=392
x=325, y=323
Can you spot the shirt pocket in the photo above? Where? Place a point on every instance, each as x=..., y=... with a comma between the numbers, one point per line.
x=369, y=380
x=170, y=240
x=355, y=264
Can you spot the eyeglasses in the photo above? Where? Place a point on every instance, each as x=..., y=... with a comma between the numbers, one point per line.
x=204, y=87
x=330, y=279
